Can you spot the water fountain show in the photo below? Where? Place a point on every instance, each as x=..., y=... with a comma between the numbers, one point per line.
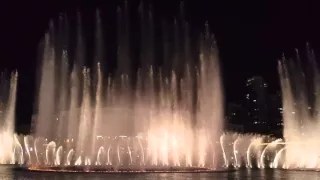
x=10, y=147
x=300, y=89
x=156, y=117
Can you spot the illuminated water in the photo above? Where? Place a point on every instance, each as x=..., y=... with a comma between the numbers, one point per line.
x=166, y=119
x=237, y=151
x=8, y=144
x=155, y=119
x=300, y=93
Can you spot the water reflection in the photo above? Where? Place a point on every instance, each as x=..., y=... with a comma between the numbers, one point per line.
x=7, y=173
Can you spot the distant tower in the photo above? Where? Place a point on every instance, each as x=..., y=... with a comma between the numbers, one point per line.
x=256, y=104
x=275, y=111
x=235, y=114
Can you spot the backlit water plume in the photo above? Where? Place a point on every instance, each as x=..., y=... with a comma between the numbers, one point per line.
x=160, y=116
x=8, y=146
x=300, y=93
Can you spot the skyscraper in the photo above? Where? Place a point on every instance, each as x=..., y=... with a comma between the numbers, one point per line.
x=275, y=110
x=234, y=117
x=235, y=114
x=275, y=114
x=256, y=104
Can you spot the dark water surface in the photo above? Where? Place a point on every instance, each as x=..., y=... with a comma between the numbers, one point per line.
x=269, y=174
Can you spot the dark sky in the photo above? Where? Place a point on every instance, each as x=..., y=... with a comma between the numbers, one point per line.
x=251, y=35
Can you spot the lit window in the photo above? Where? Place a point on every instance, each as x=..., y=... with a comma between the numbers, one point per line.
x=254, y=100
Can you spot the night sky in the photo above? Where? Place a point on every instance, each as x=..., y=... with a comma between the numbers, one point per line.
x=251, y=36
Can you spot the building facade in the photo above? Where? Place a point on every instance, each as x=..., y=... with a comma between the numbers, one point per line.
x=256, y=105
x=275, y=111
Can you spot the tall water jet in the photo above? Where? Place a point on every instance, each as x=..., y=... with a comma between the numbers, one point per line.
x=99, y=83
x=46, y=97
x=63, y=97
x=210, y=113
x=85, y=115
x=146, y=119
x=97, y=111
x=7, y=118
x=300, y=89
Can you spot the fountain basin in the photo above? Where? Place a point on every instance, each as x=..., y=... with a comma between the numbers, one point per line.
x=301, y=169
x=126, y=169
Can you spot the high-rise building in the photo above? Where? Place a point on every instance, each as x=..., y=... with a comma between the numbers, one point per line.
x=256, y=104
x=275, y=110
x=235, y=116
x=275, y=114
